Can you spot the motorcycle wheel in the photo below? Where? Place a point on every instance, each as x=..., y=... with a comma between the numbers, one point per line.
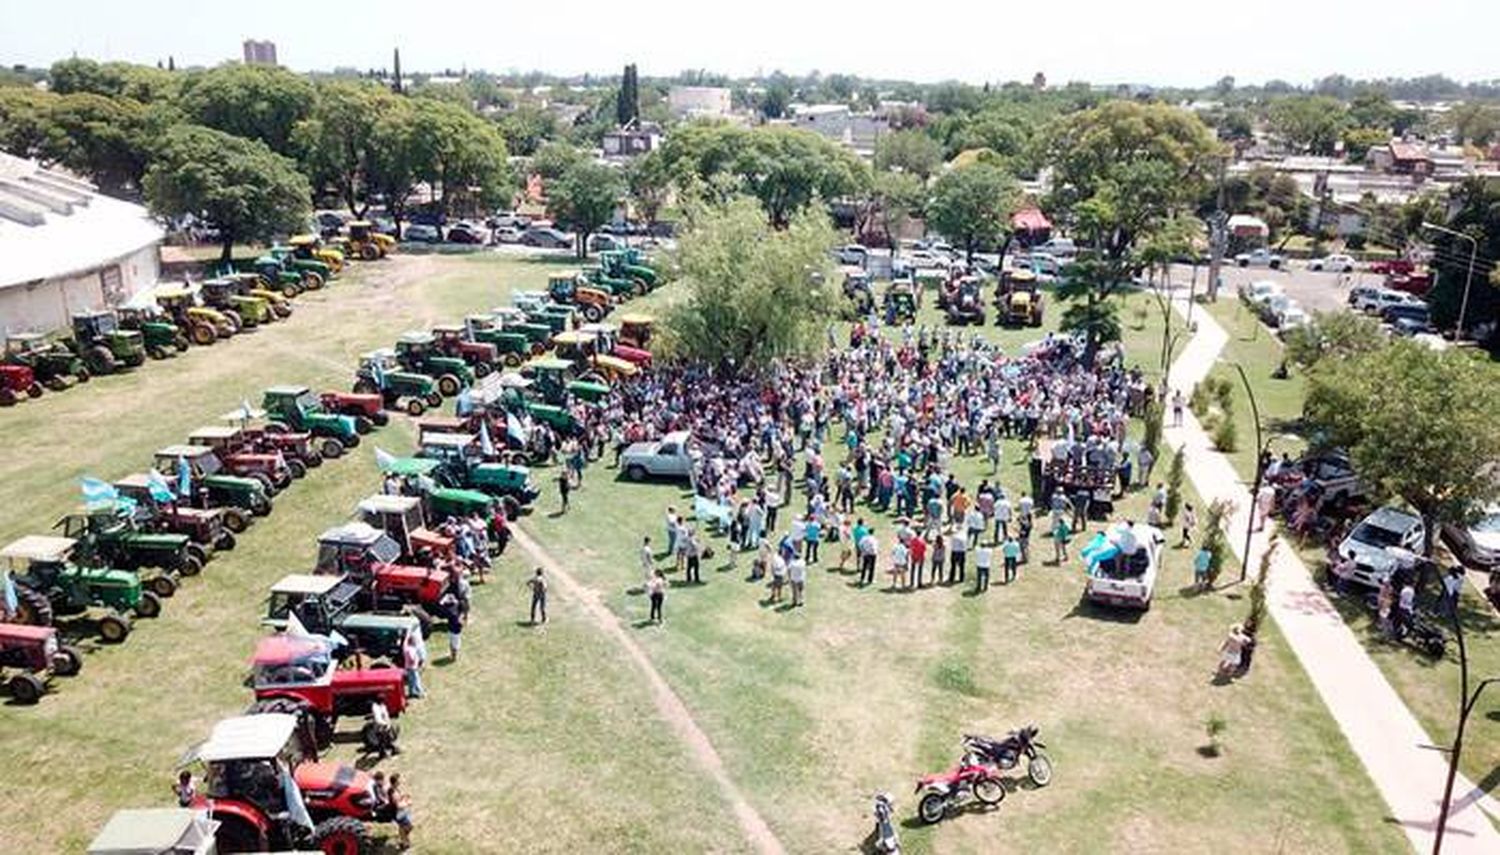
x=931, y=808
x=1039, y=769
x=989, y=791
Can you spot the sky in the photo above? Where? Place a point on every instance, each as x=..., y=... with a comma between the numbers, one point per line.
x=1160, y=42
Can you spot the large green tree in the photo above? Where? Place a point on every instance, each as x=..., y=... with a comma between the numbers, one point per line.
x=337, y=144
x=1478, y=215
x=971, y=206
x=1310, y=123
x=253, y=101
x=753, y=293
x=912, y=152
x=1421, y=426
x=238, y=186
x=460, y=156
x=584, y=198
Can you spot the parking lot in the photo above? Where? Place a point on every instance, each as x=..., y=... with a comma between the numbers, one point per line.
x=1315, y=291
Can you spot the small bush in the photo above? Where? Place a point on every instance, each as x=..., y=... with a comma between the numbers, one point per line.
x=1174, y=486
x=1214, y=727
x=1213, y=538
x=1226, y=438
x=1198, y=400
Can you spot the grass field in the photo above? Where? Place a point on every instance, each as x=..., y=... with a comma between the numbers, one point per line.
x=547, y=739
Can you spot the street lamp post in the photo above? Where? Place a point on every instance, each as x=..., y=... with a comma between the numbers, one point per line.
x=1466, y=704
x=1463, y=306
x=1259, y=472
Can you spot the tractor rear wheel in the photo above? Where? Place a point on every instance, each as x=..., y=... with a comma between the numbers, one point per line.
x=226, y=542
x=182, y=342
x=82, y=375
x=236, y=520
x=283, y=310
x=370, y=737
x=315, y=726
x=363, y=425
x=56, y=384
x=512, y=360
x=236, y=323
x=236, y=835
x=312, y=280
x=163, y=585
x=203, y=334
x=365, y=387
x=265, y=482
x=341, y=835
x=511, y=506
x=449, y=385
x=296, y=467
x=260, y=506
x=380, y=418
x=593, y=313
x=33, y=607
x=27, y=688
x=115, y=628
x=7, y=397
x=148, y=607
x=483, y=369
x=314, y=458
x=157, y=351
x=415, y=407
x=35, y=390
x=100, y=360
x=434, y=399
x=67, y=661
x=368, y=252
x=191, y=563
x=331, y=448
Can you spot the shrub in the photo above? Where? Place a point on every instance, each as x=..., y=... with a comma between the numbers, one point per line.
x=1213, y=538
x=1151, y=435
x=1258, y=588
x=1174, y=486
x=1214, y=727
x=1226, y=437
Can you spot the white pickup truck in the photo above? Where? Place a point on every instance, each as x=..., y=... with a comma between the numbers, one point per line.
x=669, y=457
x=1123, y=569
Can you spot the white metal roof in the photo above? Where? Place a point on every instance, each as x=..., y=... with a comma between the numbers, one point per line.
x=354, y=532
x=52, y=225
x=248, y=737
x=305, y=583
x=218, y=431
x=151, y=831
x=383, y=503
x=455, y=440
x=39, y=547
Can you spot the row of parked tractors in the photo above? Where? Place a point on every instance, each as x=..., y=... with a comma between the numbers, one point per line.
x=237, y=297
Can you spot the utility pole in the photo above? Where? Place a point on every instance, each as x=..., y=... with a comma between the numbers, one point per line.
x=1218, y=236
x=396, y=70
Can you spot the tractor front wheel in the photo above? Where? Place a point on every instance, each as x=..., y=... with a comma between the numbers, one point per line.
x=67, y=661
x=82, y=375
x=7, y=398
x=182, y=342
x=331, y=448
x=296, y=467
x=236, y=520
x=449, y=385
x=157, y=351
x=380, y=418
x=314, y=458
x=415, y=407
x=365, y=387
x=226, y=542
x=512, y=360
x=198, y=557
x=312, y=280
x=260, y=506
x=203, y=334
x=363, y=425
x=100, y=360
x=26, y=688
x=368, y=252
x=56, y=384
x=283, y=310
x=115, y=628
x=593, y=313
x=149, y=606
x=537, y=348
x=265, y=482
x=163, y=585
x=435, y=399
x=341, y=835
x=236, y=323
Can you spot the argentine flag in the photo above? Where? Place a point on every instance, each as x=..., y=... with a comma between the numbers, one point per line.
x=184, y=477
x=158, y=487
x=98, y=494
x=515, y=429
x=377, y=373
x=485, y=445
x=384, y=460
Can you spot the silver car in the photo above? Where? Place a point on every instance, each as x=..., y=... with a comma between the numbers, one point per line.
x=1478, y=544
x=1377, y=544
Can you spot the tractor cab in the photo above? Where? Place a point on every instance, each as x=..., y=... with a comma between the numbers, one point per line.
x=103, y=346
x=174, y=830
x=233, y=449
x=156, y=510
x=320, y=603
x=300, y=409
x=368, y=243
x=609, y=341
x=458, y=341
x=48, y=583
x=462, y=466
x=900, y=303
x=552, y=378
x=404, y=520
x=208, y=481
x=571, y=288
x=35, y=654
x=369, y=556
x=1019, y=300
x=859, y=290
x=628, y=264
x=576, y=346
x=304, y=669
x=355, y=549
x=231, y=297
x=636, y=330
x=247, y=762
x=203, y=325
x=311, y=248
x=417, y=352
x=963, y=302
x=52, y=365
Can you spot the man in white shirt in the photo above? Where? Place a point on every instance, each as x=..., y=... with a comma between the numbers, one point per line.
x=1002, y=517
x=868, y=546
x=797, y=575
x=958, y=547
x=974, y=523
x=984, y=558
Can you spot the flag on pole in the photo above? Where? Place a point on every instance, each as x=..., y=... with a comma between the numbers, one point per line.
x=294, y=627
x=12, y=601
x=245, y=409
x=377, y=373
x=464, y=405
x=515, y=429
x=485, y=445
x=98, y=494
x=384, y=460
x=158, y=487
x=184, y=477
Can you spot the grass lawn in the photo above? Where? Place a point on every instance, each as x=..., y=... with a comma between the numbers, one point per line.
x=550, y=735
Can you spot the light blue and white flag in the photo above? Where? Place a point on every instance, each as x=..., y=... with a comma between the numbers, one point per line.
x=12, y=601
x=98, y=494
x=515, y=429
x=184, y=477
x=384, y=460
x=377, y=373
x=485, y=445
x=296, y=808
x=157, y=486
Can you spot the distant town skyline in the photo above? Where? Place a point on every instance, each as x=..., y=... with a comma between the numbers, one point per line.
x=1155, y=42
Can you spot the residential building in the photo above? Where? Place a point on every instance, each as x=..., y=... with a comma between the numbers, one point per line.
x=260, y=52
x=67, y=248
x=697, y=102
x=838, y=122
x=631, y=142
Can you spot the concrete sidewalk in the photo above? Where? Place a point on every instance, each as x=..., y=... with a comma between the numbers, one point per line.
x=1383, y=733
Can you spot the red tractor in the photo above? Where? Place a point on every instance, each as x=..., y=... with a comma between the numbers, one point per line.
x=368, y=556
x=262, y=436
x=404, y=520
x=368, y=411
x=35, y=654
x=246, y=764
x=212, y=529
x=299, y=675
x=457, y=341
x=17, y=381
x=239, y=458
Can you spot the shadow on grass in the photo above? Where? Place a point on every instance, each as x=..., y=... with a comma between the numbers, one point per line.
x=1086, y=609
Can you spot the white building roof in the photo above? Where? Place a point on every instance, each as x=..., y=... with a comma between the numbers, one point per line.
x=52, y=225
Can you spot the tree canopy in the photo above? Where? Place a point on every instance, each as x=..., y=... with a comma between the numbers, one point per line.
x=238, y=186
x=753, y=293
x=584, y=198
x=252, y=101
x=971, y=206
x=912, y=152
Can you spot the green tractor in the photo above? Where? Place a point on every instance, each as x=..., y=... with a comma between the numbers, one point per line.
x=228, y=297
x=380, y=373
x=298, y=408
x=54, y=365
x=313, y=272
x=514, y=320
x=48, y=583
x=553, y=379
x=110, y=537
x=512, y=346
x=541, y=309
x=159, y=333
x=628, y=264
x=461, y=465
x=276, y=272
x=417, y=353
x=103, y=346
x=277, y=299
x=618, y=287
x=207, y=484
x=507, y=393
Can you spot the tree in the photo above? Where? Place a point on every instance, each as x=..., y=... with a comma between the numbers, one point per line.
x=911, y=152
x=551, y=161
x=775, y=101
x=649, y=185
x=237, y=186
x=971, y=206
x=1473, y=122
x=1372, y=109
x=1359, y=141
x=753, y=293
x=896, y=197
x=1419, y=425
x=526, y=128
x=460, y=156
x=1310, y=123
x=584, y=198
x=257, y=102
x=336, y=144
x=628, y=99
x=1174, y=486
x=393, y=165
x=1333, y=335
x=1478, y=214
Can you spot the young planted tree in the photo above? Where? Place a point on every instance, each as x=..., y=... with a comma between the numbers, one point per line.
x=1213, y=538
x=1174, y=485
x=235, y=185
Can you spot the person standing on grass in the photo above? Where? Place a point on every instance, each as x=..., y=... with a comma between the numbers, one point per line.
x=1202, y=563
x=455, y=632
x=812, y=536
x=974, y=523
x=656, y=590
x=984, y=559
x=1453, y=586
x=778, y=576
x=1144, y=463
x=918, y=548
x=1189, y=523
x=648, y=561
x=1384, y=602
x=564, y=486
x=1060, y=534
x=958, y=553
x=400, y=802
x=538, y=586
x=868, y=548
x=900, y=555
x=992, y=450
x=1010, y=553
x=694, y=552
x=411, y=660
x=1406, y=604
x=846, y=541
x=1177, y=408
x=796, y=573
x=939, y=554
x=1023, y=538
x=1003, y=512
x=671, y=524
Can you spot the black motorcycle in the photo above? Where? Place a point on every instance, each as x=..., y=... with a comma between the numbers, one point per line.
x=1419, y=630
x=884, y=838
x=1006, y=753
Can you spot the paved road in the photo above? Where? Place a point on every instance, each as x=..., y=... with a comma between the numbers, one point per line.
x=1316, y=292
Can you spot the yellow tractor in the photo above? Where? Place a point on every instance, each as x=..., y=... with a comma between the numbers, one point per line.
x=251, y=285
x=201, y=324
x=311, y=248
x=1019, y=300
x=367, y=243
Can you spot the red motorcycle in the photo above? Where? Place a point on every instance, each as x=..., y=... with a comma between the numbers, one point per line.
x=951, y=790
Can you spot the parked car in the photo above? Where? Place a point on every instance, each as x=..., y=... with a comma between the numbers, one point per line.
x=508, y=219
x=1411, y=311
x=1371, y=542
x=1360, y=293
x=1259, y=258
x=1337, y=263
x=1063, y=248
x=1410, y=327
x=601, y=243
x=1126, y=574
x=1332, y=474
x=670, y=457
x=468, y=233
x=1477, y=544
x=1291, y=317
x=1388, y=266
x=1384, y=299
x=329, y=223
x=622, y=229
x=852, y=254
x=1044, y=263
x=1271, y=307
x=423, y=233
x=508, y=234
x=1259, y=291
x=547, y=238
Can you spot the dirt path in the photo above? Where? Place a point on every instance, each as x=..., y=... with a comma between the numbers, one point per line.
x=668, y=704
